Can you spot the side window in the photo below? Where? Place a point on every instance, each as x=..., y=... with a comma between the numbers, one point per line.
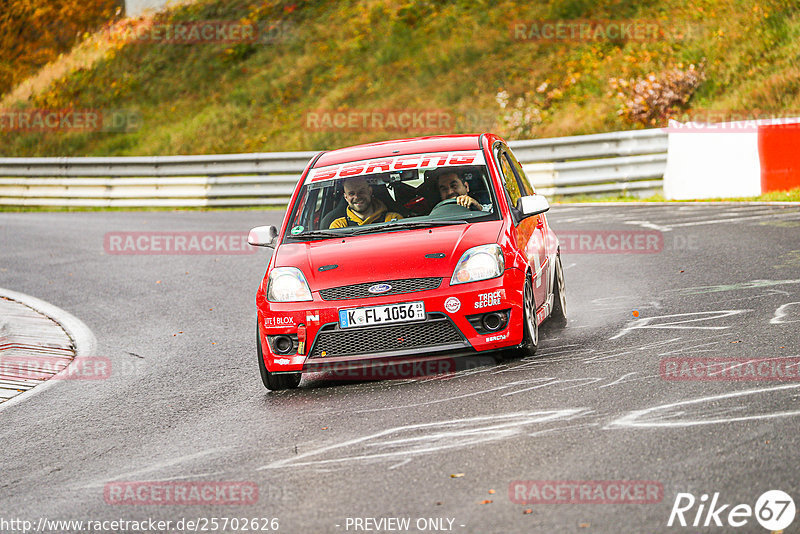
x=301, y=209
x=525, y=185
x=510, y=179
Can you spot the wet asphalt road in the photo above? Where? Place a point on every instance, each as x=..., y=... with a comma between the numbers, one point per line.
x=185, y=402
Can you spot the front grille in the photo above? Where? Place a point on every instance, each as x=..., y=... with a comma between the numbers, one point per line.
x=358, y=291
x=372, y=340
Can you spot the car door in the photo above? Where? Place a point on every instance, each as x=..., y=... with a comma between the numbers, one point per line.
x=530, y=231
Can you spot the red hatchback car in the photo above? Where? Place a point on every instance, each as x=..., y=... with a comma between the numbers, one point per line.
x=425, y=247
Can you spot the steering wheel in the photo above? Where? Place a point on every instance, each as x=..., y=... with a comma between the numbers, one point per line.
x=445, y=202
x=443, y=206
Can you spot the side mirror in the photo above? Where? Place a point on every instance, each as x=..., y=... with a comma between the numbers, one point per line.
x=263, y=236
x=532, y=205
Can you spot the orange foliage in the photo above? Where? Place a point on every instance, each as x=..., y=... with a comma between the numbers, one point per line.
x=35, y=32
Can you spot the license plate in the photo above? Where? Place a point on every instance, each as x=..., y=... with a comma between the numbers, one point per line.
x=388, y=313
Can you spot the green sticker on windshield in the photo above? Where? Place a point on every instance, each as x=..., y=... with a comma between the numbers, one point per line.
x=297, y=229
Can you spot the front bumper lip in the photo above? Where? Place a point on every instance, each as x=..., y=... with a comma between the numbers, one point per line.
x=322, y=315
x=312, y=365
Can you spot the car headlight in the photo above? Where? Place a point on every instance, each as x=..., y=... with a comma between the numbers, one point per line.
x=479, y=263
x=287, y=284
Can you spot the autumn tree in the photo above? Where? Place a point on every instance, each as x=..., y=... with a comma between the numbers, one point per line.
x=35, y=32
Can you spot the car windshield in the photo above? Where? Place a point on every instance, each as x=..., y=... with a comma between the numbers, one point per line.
x=350, y=199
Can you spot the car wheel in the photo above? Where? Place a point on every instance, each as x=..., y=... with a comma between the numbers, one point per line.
x=559, y=313
x=274, y=381
x=530, y=330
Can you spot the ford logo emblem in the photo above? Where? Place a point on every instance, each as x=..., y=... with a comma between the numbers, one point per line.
x=379, y=288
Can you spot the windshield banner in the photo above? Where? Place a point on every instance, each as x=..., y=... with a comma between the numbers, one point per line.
x=398, y=163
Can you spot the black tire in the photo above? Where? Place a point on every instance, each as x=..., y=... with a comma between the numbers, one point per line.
x=559, y=313
x=274, y=381
x=530, y=330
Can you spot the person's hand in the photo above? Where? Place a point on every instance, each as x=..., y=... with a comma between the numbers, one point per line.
x=468, y=202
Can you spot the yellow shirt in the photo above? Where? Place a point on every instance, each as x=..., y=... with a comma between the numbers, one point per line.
x=380, y=215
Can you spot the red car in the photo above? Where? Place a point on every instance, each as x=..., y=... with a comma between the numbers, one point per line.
x=425, y=247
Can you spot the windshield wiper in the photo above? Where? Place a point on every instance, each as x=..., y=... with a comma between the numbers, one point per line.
x=405, y=226
x=316, y=234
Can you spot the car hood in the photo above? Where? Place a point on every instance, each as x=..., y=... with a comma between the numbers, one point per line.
x=386, y=256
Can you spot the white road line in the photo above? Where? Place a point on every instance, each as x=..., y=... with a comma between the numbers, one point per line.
x=649, y=418
x=736, y=219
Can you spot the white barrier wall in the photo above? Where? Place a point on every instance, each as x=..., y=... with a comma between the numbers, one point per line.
x=705, y=164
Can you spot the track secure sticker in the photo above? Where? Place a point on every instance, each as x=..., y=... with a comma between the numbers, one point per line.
x=490, y=299
x=452, y=304
x=297, y=230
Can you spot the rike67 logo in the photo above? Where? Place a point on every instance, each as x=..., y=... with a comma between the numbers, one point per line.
x=774, y=510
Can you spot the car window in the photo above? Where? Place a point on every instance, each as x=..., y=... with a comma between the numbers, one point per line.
x=509, y=178
x=410, y=189
x=522, y=179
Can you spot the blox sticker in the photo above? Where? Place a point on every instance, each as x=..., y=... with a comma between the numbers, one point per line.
x=278, y=321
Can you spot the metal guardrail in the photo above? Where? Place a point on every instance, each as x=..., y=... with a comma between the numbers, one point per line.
x=631, y=162
x=589, y=164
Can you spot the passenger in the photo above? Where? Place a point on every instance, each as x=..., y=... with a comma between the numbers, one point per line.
x=362, y=207
x=451, y=185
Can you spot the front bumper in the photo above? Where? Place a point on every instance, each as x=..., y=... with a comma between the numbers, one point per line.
x=445, y=330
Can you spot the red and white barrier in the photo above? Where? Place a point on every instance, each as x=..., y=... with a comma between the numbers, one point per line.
x=733, y=159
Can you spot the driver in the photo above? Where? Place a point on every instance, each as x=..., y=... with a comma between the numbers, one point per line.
x=362, y=207
x=451, y=185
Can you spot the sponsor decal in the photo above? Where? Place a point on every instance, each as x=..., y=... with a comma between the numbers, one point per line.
x=498, y=337
x=379, y=288
x=414, y=161
x=542, y=313
x=312, y=317
x=490, y=299
x=278, y=321
x=452, y=304
x=282, y=361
